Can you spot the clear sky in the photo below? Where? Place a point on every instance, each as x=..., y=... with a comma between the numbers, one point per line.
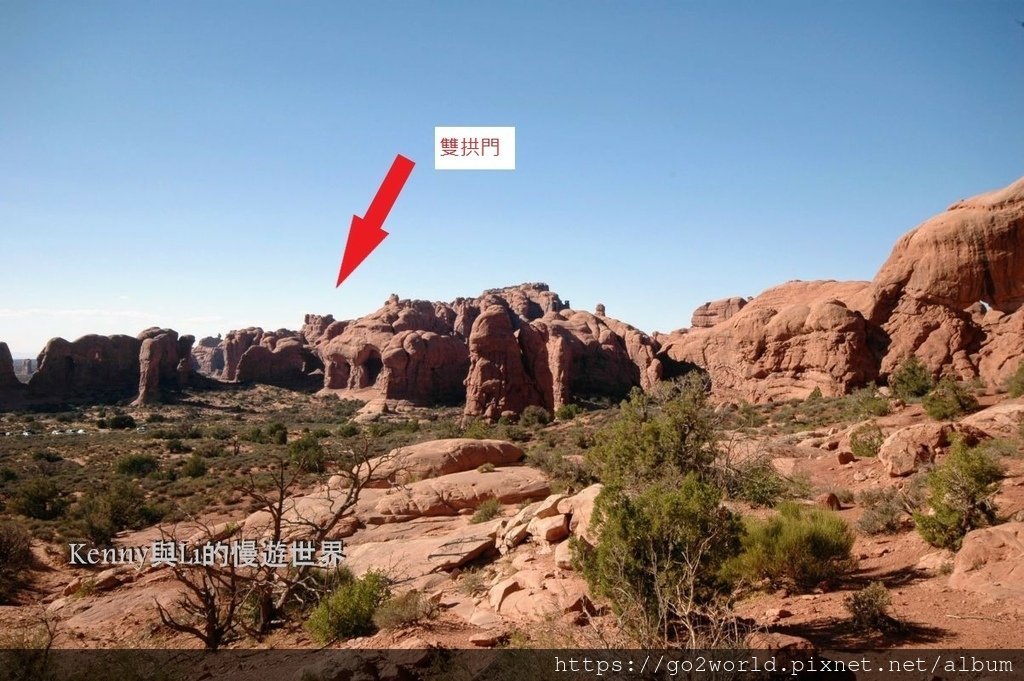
x=196, y=164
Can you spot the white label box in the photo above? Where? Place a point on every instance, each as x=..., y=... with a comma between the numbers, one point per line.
x=475, y=148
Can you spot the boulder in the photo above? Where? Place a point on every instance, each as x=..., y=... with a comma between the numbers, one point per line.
x=1000, y=421
x=580, y=509
x=441, y=457
x=450, y=494
x=989, y=563
x=904, y=450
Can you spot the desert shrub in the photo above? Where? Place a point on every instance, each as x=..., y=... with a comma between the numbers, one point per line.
x=948, y=400
x=513, y=433
x=866, y=402
x=659, y=553
x=348, y=611
x=960, y=492
x=15, y=556
x=402, y=611
x=320, y=433
x=121, y=422
x=800, y=546
x=815, y=395
x=477, y=429
x=473, y=582
x=487, y=467
x=911, y=379
x=562, y=471
x=195, y=467
x=47, y=456
x=277, y=433
x=176, y=446
x=136, y=465
x=534, y=415
x=869, y=608
x=210, y=450
x=308, y=454
x=118, y=506
x=221, y=433
x=657, y=436
x=843, y=494
x=883, y=511
x=866, y=440
x=38, y=498
x=755, y=481
x=155, y=418
x=488, y=510
x=748, y=416
x=348, y=429
x=567, y=412
x=1015, y=383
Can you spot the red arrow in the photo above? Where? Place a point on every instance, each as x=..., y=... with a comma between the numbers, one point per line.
x=366, y=233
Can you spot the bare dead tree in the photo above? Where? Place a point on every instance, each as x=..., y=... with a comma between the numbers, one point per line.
x=215, y=594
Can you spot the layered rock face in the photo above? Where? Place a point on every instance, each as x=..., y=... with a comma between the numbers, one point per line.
x=783, y=344
x=516, y=362
x=90, y=365
x=950, y=293
x=952, y=289
x=716, y=312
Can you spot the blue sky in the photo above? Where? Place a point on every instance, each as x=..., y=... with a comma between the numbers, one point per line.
x=196, y=164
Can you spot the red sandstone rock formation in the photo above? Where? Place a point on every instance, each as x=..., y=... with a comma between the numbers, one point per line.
x=164, y=362
x=783, y=344
x=950, y=293
x=91, y=364
x=8, y=379
x=208, y=357
x=715, y=312
x=550, y=361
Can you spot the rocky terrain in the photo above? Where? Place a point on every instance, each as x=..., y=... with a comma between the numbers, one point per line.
x=479, y=418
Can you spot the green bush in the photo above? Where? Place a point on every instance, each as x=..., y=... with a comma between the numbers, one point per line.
x=195, y=467
x=176, y=446
x=960, y=492
x=567, y=412
x=348, y=429
x=221, y=433
x=869, y=608
x=749, y=416
x=38, y=498
x=911, y=379
x=948, y=400
x=800, y=546
x=867, y=402
x=403, y=611
x=883, y=511
x=136, y=465
x=120, y=422
x=348, y=611
x=1015, y=383
x=488, y=510
x=756, y=481
x=656, y=548
x=866, y=440
x=534, y=415
x=210, y=450
x=477, y=429
x=308, y=454
x=657, y=436
x=119, y=506
x=321, y=433
x=15, y=556
x=277, y=433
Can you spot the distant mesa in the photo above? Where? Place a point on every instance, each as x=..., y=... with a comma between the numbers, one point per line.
x=951, y=292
